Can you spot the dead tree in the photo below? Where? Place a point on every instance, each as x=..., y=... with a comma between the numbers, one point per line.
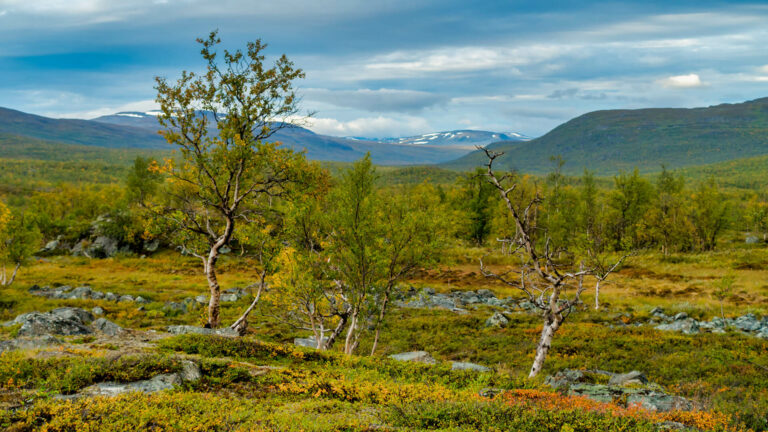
x=543, y=277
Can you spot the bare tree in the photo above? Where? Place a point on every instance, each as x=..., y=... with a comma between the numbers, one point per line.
x=545, y=279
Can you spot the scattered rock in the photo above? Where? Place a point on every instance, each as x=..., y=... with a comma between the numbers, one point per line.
x=414, y=356
x=190, y=372
x=309, y=342
x=633, y=377
x=681, y=316
x=497, y=320
x=62, y=321
x=28, y=343
x=469, y=366
x=687, y=326
x=188, y=329
x=107, y=327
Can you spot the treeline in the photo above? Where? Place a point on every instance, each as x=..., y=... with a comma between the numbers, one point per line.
x=626, y=212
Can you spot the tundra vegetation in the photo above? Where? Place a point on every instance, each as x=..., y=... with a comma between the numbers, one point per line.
x=233, y=230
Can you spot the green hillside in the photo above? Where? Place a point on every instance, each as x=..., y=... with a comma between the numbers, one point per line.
x=615, y=140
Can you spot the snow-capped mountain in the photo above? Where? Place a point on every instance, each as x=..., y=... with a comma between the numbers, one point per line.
x=465, y=139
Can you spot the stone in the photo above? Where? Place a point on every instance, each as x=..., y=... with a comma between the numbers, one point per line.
x=565, y=378
x=497, y=320
x=82, y=292
x=633, y=377
x=414, y=356
x=228, y=298
x=751, y=240
x=97, y=310
x=107, y=327
x=309, y=342
x=110, y=297
x=190, y=371
x=201, y=299
x=50, y=247
x=102, y=247
x=152, y=385
x=469, y=366
x=681, y=316
x=657, y=311
x=748, y=323
x=688, y=326
x=151, y=246
x=126, y=298
x=485, y=293
x=28, y=343
x=141, y=300
x=188, y=329
x=63, y=321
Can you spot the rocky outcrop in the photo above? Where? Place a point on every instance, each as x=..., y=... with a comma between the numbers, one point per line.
x=469, y=366
x=188, y=329
x=630, y=389
x=414, y=356
x=61, y=321
x=681, y=322
x=190, y=373
x=107, y=327
x=455, y=301
x=497, y=320
x=29, y=343
x=66, y=292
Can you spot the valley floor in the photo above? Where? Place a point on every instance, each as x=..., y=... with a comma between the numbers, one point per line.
x=263, y=382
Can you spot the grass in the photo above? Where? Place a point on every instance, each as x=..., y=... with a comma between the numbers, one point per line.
x=724, y=373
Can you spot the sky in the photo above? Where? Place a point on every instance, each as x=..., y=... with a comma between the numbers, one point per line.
x=398, y=67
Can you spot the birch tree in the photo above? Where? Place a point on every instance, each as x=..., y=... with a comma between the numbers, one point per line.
x=221, y=121
x=553, y=285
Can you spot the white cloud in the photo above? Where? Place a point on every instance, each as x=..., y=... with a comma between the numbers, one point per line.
x=141, y=106
x=370, y=126
x=380, y=100
x=682, y=81
x=764, y=69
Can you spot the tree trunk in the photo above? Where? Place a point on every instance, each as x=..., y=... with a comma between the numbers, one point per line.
x=210, y=274
x=597, y=295
x=349, y=342
x=545, y=342
x=242, y=323
x=380, y=320
x=337, y=331
x=13, y=275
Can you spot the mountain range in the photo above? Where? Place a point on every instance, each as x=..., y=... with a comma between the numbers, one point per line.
x=140, y=130
x=614, y=140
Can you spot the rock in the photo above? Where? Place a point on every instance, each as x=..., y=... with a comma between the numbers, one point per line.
x=414, y=356
x=469, y=366
x=188, y=329
x=565, y=378
x=107, y=327
x=309, y=342
x=28, y=343
x=82, y=292
x=748, y=323
x=490, y=393
x=688, y=326
x=141, y=300
x=62, y=321
x=50, y=247
x=497, y=320
x=97, y=310
x=151, y=246
x=485, y=294
x=154, y=384
x=201, y=299
x=427, y=291
x=190, y=371
x=110, y=297
x=751, y=240
x=658, y=401
x=126, y=298
x=633, y=377
x=681, y=316
x=657, y=311
x=102, y=247
x=227, y=298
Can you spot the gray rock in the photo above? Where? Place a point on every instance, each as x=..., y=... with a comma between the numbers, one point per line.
x=187, y=329
x=107, y=327
x=751, y=240
x=126, y=298
x=50, y=247
x=151, y=246
x=469, y=366
x=97, y=310
x=82, y=292
x=110, y=297
x=633, y=377
x=97, y=295
x=154, y=384
x=309, y=342
x=687, y=326
x=497, y=320
x=63, y=321
x=102, y=247
x=658, y=401
x=748, y=323
x=28, y=343
x=681, y=316
x=657, y=311
x=201, y=299
x=485, y=293
x=565, y=378
x=141, y=300
x=414, y=356
x=228, y=298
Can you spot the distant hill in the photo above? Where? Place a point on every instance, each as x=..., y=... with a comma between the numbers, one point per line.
x=614, y=140
x=463, y=139
x=82, y=132
x=323, y=147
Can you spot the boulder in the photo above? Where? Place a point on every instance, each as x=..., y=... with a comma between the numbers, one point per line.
x=141, y=300
x=485, y=294
x=190, y=372
x=414, y=356
x=497, y=320
x=107, y=327
x=309, y=342
x=228, y=298
x=151, y=246
x=24, y=343
x=188, y=329
x=748, y=323
x=681, y=316
x=102, y=247
x=97, y=310
x=633, y=377
x=687, y=326
x=110, y=297
x=201, y=299
x=469, y=366
x=126, y=298
x=82, y=292
x=62, y=321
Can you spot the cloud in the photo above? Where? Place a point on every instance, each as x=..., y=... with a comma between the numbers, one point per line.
x=561, y=94
x=370, y=126
x=382, y=100
x=683, y=81
x=142, y=106
x=764, y=69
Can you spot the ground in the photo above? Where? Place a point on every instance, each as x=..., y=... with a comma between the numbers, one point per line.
x=267, y=384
